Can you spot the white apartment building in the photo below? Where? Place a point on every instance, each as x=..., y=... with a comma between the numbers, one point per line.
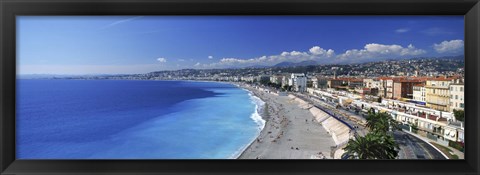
x=298, y=81
x=389, y=88
x=419, y=93
x=315, y=82
x=373, y=83
x=368, y=83
x=457, y=100
x=285, y=81
x=277, y=79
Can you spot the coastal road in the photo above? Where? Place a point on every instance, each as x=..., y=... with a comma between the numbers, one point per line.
x=410, y=146
x=360, y=130
x=414, y=148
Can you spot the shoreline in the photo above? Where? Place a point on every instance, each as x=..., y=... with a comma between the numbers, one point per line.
x=259, y=112
x=252, y=95
x=290, y=132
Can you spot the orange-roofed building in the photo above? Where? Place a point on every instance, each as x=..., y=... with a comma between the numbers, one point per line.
x=355, y=82
x=403, y=88
x=334, y=83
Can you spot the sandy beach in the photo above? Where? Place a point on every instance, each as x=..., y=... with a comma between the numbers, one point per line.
x=290, y=132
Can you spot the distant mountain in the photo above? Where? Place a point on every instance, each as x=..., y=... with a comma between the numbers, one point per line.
x=257, y=66
x=291, y=64
x=242, y=67
x=284, y=64
x=457, y=57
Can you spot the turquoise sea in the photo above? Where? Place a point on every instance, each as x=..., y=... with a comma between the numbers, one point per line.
x=129, y=119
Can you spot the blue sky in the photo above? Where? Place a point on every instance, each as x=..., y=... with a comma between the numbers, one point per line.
x=140, y=44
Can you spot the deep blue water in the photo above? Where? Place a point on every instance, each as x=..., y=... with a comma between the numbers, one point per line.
x=124, y=119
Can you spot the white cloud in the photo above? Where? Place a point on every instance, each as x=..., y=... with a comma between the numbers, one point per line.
x=316, y=50
x=162, y=60
x=210, y=57
x=451, y=46
x=402, y=30
x=375, y=51
x=370, y=52
x=316, y=53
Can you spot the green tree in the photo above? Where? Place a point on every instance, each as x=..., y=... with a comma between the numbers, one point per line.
x=264, y=81
x=371, y=111
x=381, y=122
x=379, y=143
x=459, y=114
x=278, y=86
x=372, y=146
x=414, y=127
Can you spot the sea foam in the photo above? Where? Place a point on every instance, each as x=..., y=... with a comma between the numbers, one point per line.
x=257, y=118
x=259, y=106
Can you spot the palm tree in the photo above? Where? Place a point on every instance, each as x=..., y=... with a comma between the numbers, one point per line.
x=371, y=146
x=379, y=143
x=381, y=122
x=371, y=111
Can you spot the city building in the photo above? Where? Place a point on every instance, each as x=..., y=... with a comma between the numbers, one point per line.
x=403, y=88
x=389, y=88
x=366, y=90
x=309, y=81
x=371, y=83
x=354, y=82
x=263, y=78
x=457, y=90
x=319, y=82
x=382, y=88
x=298, y=81
x=334, y=83
x=285, y=81
x=437, y=93
x=248, y=78
x=277, y=79
x=419, y=93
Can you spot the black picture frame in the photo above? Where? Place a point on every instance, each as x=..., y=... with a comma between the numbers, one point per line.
x=11, y=8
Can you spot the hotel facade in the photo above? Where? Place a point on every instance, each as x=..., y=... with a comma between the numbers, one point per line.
x=437, y=93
